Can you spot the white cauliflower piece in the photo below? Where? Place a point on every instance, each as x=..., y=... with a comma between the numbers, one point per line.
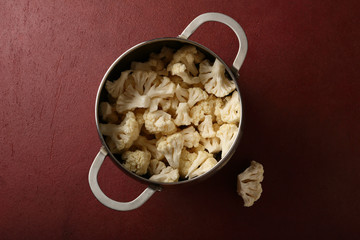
x=212, y=145
x=116, y=88
x=196, y=95
x=181, y=94
x=165, y=89
x=131, y=99
x=227, y=134
x=230, y=113
x=171, y=147
x=154, y=104
x=159, y=122
x=179, y=69
x=204, y=167
x=148, y=145
x=202, y=156
x=165, y=55
x=167, y=174
x=206, y=127
x=143, y=80
x=186, y=160
x=136, y=161
x=156, y=166
x=216, y=106
x=107, y=112
x=191, y=137
x=189, y=56
x=182, y=115
x=249, y=183
x=198, y=112
x=214, y=80
x=122, y=135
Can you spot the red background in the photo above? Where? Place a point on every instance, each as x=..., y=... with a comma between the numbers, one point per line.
x=300, y=89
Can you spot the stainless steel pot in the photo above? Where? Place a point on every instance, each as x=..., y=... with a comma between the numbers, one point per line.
x=141, y=52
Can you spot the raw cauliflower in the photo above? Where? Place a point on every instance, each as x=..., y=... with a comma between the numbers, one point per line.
x=122, y=135
x=249, y=183
x=214, y=79
x=117, y=87
x=148, y=145
x=159, y=122
x=231, y=112
x=206, y=127
x=182, y=115
x=191, y=137
x=156, y=166
x=227, y=134
x=136, y=161
x=212, y=145
x=166, y=175
x=171, y=147
x=107, y=112
x=196, y=95
x=189, y=56
x=179, y=69
x=204, y=167
x=186, y=160
x=198, y=112
x=202, y=156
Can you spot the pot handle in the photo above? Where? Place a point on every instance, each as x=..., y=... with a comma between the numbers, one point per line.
x=120, y=206
x=222, y=18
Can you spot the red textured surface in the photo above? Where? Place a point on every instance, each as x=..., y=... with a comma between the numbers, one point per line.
x=301, y=92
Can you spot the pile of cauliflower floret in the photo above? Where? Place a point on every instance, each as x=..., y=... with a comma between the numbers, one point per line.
x=170, y=117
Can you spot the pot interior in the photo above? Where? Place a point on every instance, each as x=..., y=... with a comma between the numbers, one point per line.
x=140, y=53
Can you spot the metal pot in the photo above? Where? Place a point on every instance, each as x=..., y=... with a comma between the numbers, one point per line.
x=137, y=53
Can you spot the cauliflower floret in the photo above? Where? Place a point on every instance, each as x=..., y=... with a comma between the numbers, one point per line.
x=179, y=69
x=181, y=94
x=182, y=115
x=249, y=183
x=136, y=161
x=139, y=115
x=232, y=109
x=107, y=112
x=227, y=134
x=148, y=145
x=189, y=56
x=204, y=167
x=156, y=166
x=215, y=81
x=191, y=137
x=159, y=122
x=197, y=149
x=201, y=157
x=143, y=80
x=170, y=105
x=116, y=88
x=186, y=160
x=171, y=147
x=165, y=89
x=122, y=135
x=198, y=112
x=216, y=106
x=206, y=127
x=212, y=145
x=196, y=95
x=154, y=104
x=130, y=100
x=165, y=55
x=167, y=174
